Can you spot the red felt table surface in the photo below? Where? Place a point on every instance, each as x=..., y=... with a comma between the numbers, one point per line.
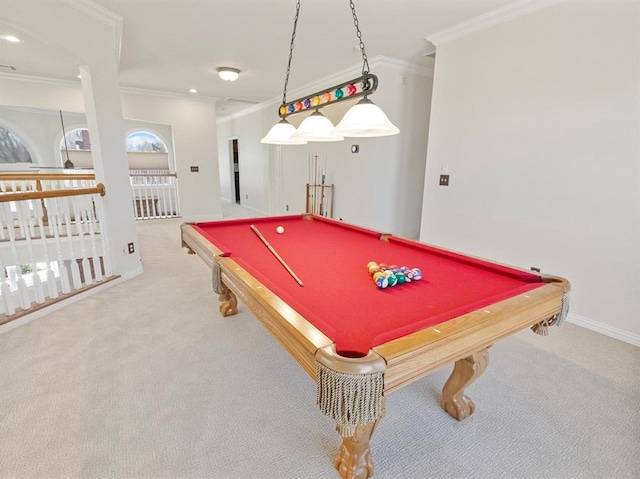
x=340, y=298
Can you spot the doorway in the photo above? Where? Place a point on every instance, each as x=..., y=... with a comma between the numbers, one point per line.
x=235, y=168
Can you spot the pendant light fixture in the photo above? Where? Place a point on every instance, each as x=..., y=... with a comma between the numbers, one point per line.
x=317, y=127
x=281, y=134
x=364, y=119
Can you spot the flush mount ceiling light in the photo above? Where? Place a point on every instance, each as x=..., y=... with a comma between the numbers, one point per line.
x=364, y=119
x=228, y=73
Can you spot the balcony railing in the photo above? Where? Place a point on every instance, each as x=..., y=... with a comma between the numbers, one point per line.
x=52, y=244
x=154, y=194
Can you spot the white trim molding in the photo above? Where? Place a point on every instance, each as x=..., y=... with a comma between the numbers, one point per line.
x=168, y=94
x=605, y=329
x=43, y=80
x=500, y=15
x=103, y=15
x=123, y=89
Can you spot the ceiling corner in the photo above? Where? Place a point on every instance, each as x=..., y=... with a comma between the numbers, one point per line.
x=500, y=15
x=103, y=15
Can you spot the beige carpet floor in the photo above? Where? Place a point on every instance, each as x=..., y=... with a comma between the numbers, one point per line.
x=146, y=380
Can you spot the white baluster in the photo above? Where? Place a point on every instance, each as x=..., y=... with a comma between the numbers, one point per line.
x=73, y=265
x=55, y=219
x=52, y=283
x=81, y=223
x=24, y=214
x=91, y=219
x=6, y=299
x=103, y=236
x=20, y=283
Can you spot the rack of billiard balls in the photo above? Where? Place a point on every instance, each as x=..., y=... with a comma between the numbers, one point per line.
x=391, y=275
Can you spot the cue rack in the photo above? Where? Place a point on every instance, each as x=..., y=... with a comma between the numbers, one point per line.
x=319, y=195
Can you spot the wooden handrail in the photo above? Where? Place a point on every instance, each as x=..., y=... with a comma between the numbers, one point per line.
x=38, y=195
x=45, y=176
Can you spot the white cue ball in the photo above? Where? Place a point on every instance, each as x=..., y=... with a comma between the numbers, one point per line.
x=279, y=230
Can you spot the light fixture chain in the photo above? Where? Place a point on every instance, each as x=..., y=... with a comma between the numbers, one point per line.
x=365, y=64
x=293, y=37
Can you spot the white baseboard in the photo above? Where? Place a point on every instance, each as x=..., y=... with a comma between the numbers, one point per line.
x=605, y=329
x=66, y=302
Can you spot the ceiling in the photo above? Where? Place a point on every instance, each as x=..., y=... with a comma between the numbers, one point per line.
x=175, y=45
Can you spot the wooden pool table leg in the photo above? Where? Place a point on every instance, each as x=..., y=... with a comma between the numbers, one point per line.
x=354, y=459
x=229, y=305
x=465, y=371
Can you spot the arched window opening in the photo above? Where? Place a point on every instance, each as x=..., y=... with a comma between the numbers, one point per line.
x=75, y=149
x=12, y=149
x=142, y=141
x=77, y=139
x=154, y=187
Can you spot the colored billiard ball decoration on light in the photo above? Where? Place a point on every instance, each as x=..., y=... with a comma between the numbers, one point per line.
x=279, y=230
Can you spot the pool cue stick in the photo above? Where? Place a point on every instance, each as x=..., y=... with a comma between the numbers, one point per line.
x=286, y=266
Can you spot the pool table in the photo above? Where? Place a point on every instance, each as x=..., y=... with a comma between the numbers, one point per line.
x=311, y=288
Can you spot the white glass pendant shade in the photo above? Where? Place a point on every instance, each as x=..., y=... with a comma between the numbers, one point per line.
x=316, y=127
x=365, y=119
x=281, y=134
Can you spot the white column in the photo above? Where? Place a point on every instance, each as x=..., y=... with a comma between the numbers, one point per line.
x=104, y=117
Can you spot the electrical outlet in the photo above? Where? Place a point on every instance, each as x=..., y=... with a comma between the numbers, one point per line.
x=195, y=169
x=246, y=197
x=287, y=207
x=444, y=180
x=131, y=249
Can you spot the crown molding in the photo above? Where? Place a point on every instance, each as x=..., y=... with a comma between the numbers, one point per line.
x=274, y=102
x=122, y=89
x=500, y=15
x=104, y=16
x=41, y=80
x=406, y=67
x=166, y=94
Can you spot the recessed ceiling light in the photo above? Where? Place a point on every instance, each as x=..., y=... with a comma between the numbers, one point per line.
x=11, y=38
x=193, y=90
x=228, y=74
x=80, y=76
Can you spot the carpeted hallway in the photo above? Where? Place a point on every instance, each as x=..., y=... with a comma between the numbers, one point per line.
x=146, y=380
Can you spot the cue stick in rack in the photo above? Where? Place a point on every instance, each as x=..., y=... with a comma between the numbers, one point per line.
x=266, y=243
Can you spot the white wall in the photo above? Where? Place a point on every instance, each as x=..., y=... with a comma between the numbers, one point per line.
x=193, y=124
x=536, y=121
x=41, y=130
x=379, y=187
